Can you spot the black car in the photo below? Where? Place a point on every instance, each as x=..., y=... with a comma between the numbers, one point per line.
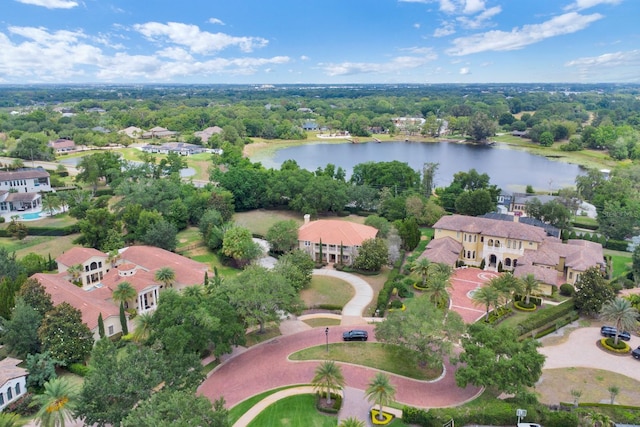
x=636, y=353
x=355, y=335
x=610, y=332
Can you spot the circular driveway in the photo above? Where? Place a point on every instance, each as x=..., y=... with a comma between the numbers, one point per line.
x=265, y=366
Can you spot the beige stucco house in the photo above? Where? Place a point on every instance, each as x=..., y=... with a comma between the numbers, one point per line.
x=335, y=237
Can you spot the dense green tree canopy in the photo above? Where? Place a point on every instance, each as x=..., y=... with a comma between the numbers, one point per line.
x=592, y=292
x=63, y=334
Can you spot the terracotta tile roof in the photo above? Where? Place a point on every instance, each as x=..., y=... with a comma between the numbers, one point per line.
x=140, y=281
x=490, y=227
x=10, y=370
x=587, y=254
x=78, y=255
x=188, y=272
x=90, y=303
x=22, y=197
x=446, y=250
x=542, y=274
x=23, y=174
x=334, y=232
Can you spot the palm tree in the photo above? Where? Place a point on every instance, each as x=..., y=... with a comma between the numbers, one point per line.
x=529, y=284
x=75, y=271
x=8, y=419
x=351, y=422
x=166, y=275
x=622, y=313
x=506, y=285
x=421, y=266
x=328, y=377
x=598, y=419
x=124, y=293
x=142, y=328
x=50, y=203
x=57, y=403
x=442, y=268
x=381, y=392
x=438, y=290
x=487, y=296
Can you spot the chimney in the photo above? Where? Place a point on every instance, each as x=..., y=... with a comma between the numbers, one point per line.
x=307, y=218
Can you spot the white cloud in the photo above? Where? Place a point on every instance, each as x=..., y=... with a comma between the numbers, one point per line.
x=446, y=29
x=397, y=63
x=465, y=71
x=215, y=21
x=200, y=42
x=586, y=4
x=473, y=6
x=479, y=20
x=304, y=58
x=51, y=4
x=614, y=59
x=520, y=37
x=30, y=54
x=416, y=25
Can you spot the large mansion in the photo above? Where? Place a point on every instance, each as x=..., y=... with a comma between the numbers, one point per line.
x=327, y=239
x=520, y=248
x=99, y=274
x=20, y=190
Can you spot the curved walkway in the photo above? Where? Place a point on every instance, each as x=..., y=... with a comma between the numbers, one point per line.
x=352, y=311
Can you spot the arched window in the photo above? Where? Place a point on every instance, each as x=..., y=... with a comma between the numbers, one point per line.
x=93, y=265
x=507, y=262
x=490, y=243
x=497, y=243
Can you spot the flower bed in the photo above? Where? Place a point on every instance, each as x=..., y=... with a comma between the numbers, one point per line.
x=386, y=418
x=522, y=306
x=608, y=344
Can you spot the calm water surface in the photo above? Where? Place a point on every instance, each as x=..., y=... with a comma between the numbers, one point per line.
x=511, y=170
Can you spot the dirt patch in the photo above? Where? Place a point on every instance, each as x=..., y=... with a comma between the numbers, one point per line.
x=555, y=386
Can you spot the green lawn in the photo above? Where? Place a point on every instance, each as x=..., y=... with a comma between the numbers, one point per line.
x=188, y=236
x=385, y=357
x=255, y=337
x=42, y=245
x=241, y=408
x=259, y=221
x=322, y=321
x=621, y=261
x=294, y=411
x=327, y=291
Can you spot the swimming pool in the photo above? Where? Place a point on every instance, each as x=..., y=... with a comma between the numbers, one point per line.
x=30, y=216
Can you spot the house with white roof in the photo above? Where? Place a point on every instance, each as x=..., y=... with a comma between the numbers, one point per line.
x=13, y=381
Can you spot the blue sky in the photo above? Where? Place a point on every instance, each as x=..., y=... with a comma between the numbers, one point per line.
x=319, y=41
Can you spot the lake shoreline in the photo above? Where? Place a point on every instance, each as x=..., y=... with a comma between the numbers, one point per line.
x=263, y=149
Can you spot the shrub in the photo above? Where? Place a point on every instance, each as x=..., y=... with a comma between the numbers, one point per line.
x=545, y=317
x=617, y=245
x=567, y=290
x=411, y=415
x=22, y=406
x=521, y=305
x=79, y=369
x=337, y=403
x=483, y=263
x=610, y=344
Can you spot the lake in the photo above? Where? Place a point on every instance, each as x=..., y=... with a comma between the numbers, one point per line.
x=512, y=170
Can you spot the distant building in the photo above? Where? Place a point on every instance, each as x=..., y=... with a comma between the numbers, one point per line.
x=310, y=125
x=61, y=146
x=132, y=132
x=207, y=133
x=158, y=132
x=20, y=190
x=181, y=148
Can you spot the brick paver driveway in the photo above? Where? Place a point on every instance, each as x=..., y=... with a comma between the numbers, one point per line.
x=265, y=366
x=464, y=281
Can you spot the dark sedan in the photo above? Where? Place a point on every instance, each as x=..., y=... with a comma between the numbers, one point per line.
x=610, y=332
x=355, y=335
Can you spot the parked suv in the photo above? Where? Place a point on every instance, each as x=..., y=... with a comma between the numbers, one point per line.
x=636, y=353
x=610, y=332
x=355, y=335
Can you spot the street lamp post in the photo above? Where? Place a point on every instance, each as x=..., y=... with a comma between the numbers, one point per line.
x=326, y=333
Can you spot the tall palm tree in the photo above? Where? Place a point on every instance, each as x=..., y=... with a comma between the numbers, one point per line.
x=438, y=290
x=488, y=296
x=529, y=285
x=351, y=422
x=421, y=266
x=142, y=328
x=506, y=285
x=57, y=403
x=166, y=275
x=381, y=392
x=442, y=268
x=622, y=313
x=328, y=377
x=8, y=419
x=124, y=293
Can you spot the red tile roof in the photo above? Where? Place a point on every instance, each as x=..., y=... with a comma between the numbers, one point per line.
x=491, y=227
x=445, y=250
x=188, y=272
x=90, y=303
x=336, y=232
x=10, y=370
x=78, y=255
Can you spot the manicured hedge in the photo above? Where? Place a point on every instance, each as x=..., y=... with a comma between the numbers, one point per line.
x=545, y=317
x=617, y=245
x=337, y=403
x=559, y=323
